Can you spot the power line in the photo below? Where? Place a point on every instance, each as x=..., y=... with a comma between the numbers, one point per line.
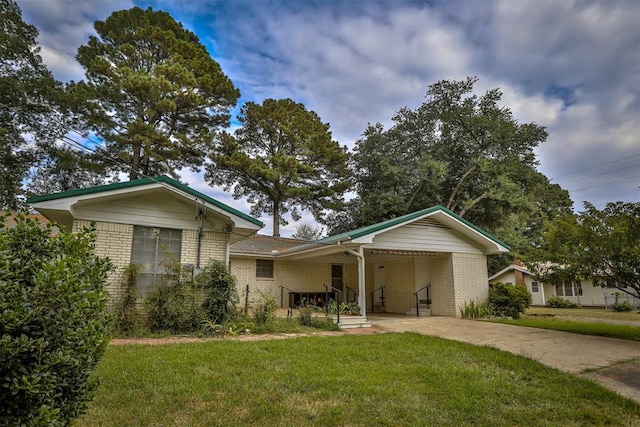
x=607, y=183
x=601, y=174
x=595, y=167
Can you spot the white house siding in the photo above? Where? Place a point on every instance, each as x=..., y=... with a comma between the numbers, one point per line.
x=443, y=299
x=591, y=295
x=425, y=235
x=510, y=278
x=470, y=279
x=113, y=240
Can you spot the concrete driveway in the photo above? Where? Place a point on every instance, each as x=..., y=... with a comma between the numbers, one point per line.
x=562, y=350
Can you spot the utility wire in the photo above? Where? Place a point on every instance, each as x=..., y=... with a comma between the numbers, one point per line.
x=607, y=183
x=601, y=174
x=595, y=166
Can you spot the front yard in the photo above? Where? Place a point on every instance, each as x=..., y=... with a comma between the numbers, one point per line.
x=587, y=321
x=381, y=379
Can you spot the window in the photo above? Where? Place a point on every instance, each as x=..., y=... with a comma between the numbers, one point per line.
x=337, y=276
x=152, y=248
x=559, y=289
x=264, y=268
x=534, y=287
x=568, y=289
x=578, y=286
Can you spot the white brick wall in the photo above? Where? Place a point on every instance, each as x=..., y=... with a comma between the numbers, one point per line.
x=442, y=285
x=471, y=279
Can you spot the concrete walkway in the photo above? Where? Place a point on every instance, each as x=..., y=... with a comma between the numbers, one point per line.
x=562, y=350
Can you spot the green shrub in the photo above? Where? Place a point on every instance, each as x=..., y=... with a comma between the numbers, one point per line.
x=473, y=310
x=559, y=302
x=53, y=322
x=265, y=310
x=622, y=306
x=305, y=317
x=127, y=315
x=508, y=300
x=173, y=306
x=220, y=289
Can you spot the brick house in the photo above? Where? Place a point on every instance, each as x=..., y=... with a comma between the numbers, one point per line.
x=431, y=257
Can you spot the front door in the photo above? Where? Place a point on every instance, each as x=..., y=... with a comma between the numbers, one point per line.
x=337, y=276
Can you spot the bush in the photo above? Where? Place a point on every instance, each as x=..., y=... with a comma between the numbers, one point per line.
x=173, y=306
x=622, y=306
x=473, y=310
x=559, y=302
x=508, y=300
x=127, y=315
x=265, y=310
x=220, y=288
x=53, y=322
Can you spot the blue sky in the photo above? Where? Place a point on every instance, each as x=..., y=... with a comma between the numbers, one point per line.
x=571, y=66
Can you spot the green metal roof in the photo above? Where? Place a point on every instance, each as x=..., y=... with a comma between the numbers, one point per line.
x=140, y=182
x=360, y=232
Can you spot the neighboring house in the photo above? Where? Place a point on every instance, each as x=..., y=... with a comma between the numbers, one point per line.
x=582, y=292
x=432, y=254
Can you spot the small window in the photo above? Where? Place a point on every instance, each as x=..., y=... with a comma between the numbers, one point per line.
x=578, y=286
x=264, y=268
x=568, y=289
x=534, y=287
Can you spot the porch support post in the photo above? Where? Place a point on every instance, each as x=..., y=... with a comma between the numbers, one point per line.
x=362, y=298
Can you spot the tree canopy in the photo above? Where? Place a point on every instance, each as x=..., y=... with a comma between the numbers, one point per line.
x=30, y=99
x=460, y=150
x=602, y=245
x=152, y=93
x=282, y=158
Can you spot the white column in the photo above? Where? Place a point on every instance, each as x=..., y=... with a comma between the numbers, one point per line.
x=362, y=298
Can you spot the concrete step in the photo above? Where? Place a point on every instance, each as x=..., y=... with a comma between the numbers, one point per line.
x=350, y=322
x=423, y=312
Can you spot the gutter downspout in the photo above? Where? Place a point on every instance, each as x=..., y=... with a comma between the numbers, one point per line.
x=361, y=275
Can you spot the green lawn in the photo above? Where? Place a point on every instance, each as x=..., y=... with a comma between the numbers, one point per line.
x=587, y=321
x=366, y=380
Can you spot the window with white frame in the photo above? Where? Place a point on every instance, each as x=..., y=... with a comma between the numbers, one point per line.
x=569, y=288
x=534, y=287
x=152, y=249
x=264, y=268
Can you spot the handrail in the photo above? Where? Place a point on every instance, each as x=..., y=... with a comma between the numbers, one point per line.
x=355, y=294
x=282, y=288
x=338, y=293
x=380, y=288
x=415, y=294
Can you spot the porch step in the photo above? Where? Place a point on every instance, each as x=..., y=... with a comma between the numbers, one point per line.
x=350, y=322
x=423, y=312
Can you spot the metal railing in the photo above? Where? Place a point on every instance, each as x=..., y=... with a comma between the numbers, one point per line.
x=351, y=292
x=372, y=293
x=415, y=294
x=338, y=293
x=282, y=288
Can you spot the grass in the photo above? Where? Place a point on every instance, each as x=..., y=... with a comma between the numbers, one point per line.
x=366, y=380
x=586, y=321
x=626, y=332
x=591, y=313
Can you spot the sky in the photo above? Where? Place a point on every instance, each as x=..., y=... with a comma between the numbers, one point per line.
x=570, y=66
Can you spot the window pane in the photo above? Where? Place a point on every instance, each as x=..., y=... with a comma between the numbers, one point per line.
x=534, y=287
x=568, y=289
x=151, y=248
x=578, y=288
x=559, y=290
x=264, y=268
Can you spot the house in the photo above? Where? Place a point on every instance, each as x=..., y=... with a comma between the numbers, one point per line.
x=430, y=261
x=582, y=292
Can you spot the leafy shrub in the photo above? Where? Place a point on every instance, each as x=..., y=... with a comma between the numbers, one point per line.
x=508, y=300
x=265, y=310
x=220, y=288
x=53, y=322
x=127, y=315
x=173, y=306
x=305, y=317
x=559, y=302
x=348, y=308
x=473, y=310
x=622, y=306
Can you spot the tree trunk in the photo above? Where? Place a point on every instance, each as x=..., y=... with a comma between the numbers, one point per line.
x=276, y=219
x=135, y=162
